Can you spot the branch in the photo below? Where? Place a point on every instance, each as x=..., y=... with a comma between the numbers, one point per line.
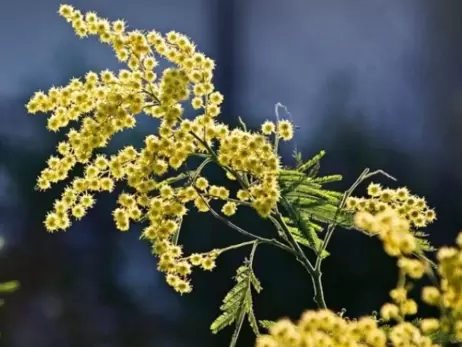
x=331, y=228
x=243, y=231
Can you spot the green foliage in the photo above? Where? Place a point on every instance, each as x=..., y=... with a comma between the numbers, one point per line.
x=308, y=203
x=423, y=245
x=238, y=304
x=266, y=323
x=443, y=338
x=8, y=287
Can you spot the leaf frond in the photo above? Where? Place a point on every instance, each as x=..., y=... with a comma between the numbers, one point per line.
x=238, y=303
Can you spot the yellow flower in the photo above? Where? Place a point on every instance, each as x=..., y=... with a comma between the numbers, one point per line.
x=208, y=263
x=66, y=11
x=229, y=208
x=51, y=222
x=268, y=128
x=374, y=189
x=429, y=325
x=431, y=295
x=78, y=211
x=389, y=311
x=285, y=130
x=202, y=183
x=195, y=259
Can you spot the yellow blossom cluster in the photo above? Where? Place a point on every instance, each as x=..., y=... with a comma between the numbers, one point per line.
x=411, y=207
x=108, y=102
x=284, y=129
x=407, y=334
x=252, y=154
x=323, y=328
x=448, y=295
x=401, y=307
x=326, y=328
x=392, y=229
x=398, y=241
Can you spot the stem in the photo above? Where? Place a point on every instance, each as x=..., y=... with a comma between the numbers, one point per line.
x=243, y=231
x=239, y=245
x=277, y=138
x=294, y=246
x=331, y=228
x=318, y=289
x=199, y=169
x=239, y=202
x=276, y=134
x=301, y=257
x=226, y=249
x=252, y=253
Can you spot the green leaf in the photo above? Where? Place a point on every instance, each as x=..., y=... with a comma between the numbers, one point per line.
x=297, y=221
x=238, y=303
x=251, y=317
x=310, y=164
x=298, y=158
x=298, y=237
x=8, y=287
x=423, y=245
x=266, y=323
x=308, y=204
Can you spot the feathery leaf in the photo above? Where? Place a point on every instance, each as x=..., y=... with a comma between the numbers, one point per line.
x=266, y=323
x=238, y=303
x=308, y=203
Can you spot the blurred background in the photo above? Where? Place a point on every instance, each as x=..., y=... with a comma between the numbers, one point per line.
x=375, y=83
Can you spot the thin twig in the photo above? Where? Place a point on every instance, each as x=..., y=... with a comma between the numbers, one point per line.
x=331, y=228
x=243, y=231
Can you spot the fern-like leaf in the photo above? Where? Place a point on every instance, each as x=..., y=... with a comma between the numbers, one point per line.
x=312, y=164
x=308, y=204
x=8, y=287
x=296, y=219
x=298, y=158
x=238, y=303
x=266, y=323
x=423, y=245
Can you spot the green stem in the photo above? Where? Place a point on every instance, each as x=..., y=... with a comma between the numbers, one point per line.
x=199, y=169
x=331, y=228
x=239, y=202
x=294, y=246
x=301, y=257
x=239, y=245
x=226, y=249
x=244, y=232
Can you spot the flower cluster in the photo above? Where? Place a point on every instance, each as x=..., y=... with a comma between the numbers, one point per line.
x=323, y=328
x=109, y=102
x=326, y=328
x=252, y=154
x=282, y=129
x=448, y=295
x=398, y=241
x=391, y=214
x=392, y=229
x=408, y=206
